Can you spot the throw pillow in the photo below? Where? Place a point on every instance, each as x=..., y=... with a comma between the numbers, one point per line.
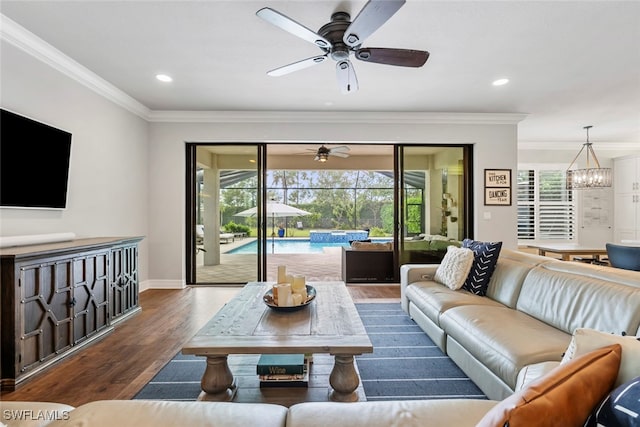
x=454, y=268
x=564, y=397
x=486, y=256
x=620, y=408
x=585, y=340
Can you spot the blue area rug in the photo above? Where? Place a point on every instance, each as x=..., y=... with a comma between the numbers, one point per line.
x=405, y=365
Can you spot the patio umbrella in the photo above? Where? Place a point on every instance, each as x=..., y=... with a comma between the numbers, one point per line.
x=275, y=210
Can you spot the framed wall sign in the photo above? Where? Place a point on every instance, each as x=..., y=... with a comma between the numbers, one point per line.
x=497, y=187
x=497, y=178
x=497, y=196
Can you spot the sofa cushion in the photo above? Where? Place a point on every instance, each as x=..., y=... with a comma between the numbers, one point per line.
x=585, y=340
x=371, y=246
x=619, y=408
x=424, y=413
x=433, y=299
x=564, y=397
x=568, y=298
x=533, y=372
x=502, y=339
x=454, y=267
x=153, y=413
x=486, y=256
x=511, y=269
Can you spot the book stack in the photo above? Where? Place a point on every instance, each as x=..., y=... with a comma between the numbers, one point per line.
x=283, y=370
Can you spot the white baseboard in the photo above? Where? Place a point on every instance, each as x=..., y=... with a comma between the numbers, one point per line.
x=162, y=284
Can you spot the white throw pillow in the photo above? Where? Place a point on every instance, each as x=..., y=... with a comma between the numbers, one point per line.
x=585, y=340
x=455, y=267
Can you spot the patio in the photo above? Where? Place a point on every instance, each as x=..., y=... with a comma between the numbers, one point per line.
x=241, y=268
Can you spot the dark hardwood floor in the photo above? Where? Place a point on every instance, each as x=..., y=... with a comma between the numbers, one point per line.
x=120, y=364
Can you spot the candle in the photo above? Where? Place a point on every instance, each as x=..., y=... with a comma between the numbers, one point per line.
x=299, y=286
x=289, y=279
x=284, y=295
x=282, y=274
x=296, y=299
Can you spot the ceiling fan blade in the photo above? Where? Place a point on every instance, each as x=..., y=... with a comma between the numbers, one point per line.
x=401, y=57
x=346, y=76
x=371, y=17
x=339, y=154
x=305, y=63
x=341, y=148
x=279, y=20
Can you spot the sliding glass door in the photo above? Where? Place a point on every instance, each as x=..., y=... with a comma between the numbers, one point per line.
x=231, y=233
x=433, y=193
x=223, y=187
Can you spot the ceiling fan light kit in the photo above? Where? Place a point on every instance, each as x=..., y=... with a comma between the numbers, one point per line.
x=341, y=38
x=323, y=153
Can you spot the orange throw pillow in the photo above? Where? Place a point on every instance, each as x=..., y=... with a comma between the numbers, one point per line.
x=564, y=397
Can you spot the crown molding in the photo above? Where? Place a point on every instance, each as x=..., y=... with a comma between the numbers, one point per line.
x=570, y=145
x=357, y=117
x=23, y=39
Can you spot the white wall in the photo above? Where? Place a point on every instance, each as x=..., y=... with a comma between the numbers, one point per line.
x=108, y=189
x=495, y=147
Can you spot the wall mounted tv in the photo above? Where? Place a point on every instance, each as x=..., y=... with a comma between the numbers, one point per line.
x=34, y=163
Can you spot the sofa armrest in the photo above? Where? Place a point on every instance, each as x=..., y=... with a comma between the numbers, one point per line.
x=411, y=273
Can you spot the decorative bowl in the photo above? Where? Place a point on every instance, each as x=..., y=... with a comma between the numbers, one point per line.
x=268, y=299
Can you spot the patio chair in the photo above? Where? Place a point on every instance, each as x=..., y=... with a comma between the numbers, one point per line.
x=626, y=257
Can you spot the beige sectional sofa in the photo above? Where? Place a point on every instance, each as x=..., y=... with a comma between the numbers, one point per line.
x=533, y=305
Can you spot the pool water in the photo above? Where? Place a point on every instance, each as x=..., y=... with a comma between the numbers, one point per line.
x=286, y=246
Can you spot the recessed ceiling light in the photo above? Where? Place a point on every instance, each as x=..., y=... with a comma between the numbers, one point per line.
x=500, y=82
x=164, y=78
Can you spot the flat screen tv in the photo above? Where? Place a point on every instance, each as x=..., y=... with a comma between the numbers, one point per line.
x=34, y=163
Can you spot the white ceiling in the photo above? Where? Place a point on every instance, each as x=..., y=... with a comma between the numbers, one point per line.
x=570, y=64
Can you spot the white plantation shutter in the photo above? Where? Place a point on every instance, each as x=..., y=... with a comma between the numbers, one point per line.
x=546, y=209
x=526, y=205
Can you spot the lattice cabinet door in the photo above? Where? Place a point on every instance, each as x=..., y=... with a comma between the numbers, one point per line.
x=90, y=295
x=46, y=326
x=124, y=280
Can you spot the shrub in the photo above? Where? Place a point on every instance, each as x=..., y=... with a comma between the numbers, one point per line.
x=232, y=227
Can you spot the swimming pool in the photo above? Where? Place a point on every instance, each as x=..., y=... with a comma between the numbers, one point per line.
x=289, y=246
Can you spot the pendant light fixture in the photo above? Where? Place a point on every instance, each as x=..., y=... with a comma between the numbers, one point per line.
x=591, y=176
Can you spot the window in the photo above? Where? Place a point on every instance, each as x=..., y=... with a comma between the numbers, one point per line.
x=546, y=209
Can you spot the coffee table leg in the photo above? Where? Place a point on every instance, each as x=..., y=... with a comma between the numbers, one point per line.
x=217, y=382
x=344, y=379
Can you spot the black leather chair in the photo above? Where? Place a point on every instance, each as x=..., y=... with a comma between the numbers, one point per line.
x=626, y=257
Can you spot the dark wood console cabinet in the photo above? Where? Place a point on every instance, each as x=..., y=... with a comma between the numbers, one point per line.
x=58, y=297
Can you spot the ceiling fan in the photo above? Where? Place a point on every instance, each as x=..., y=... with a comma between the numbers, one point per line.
x=323, y=153
x=341, y=38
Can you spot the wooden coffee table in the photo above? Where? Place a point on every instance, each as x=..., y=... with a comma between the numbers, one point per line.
x=246, y=325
